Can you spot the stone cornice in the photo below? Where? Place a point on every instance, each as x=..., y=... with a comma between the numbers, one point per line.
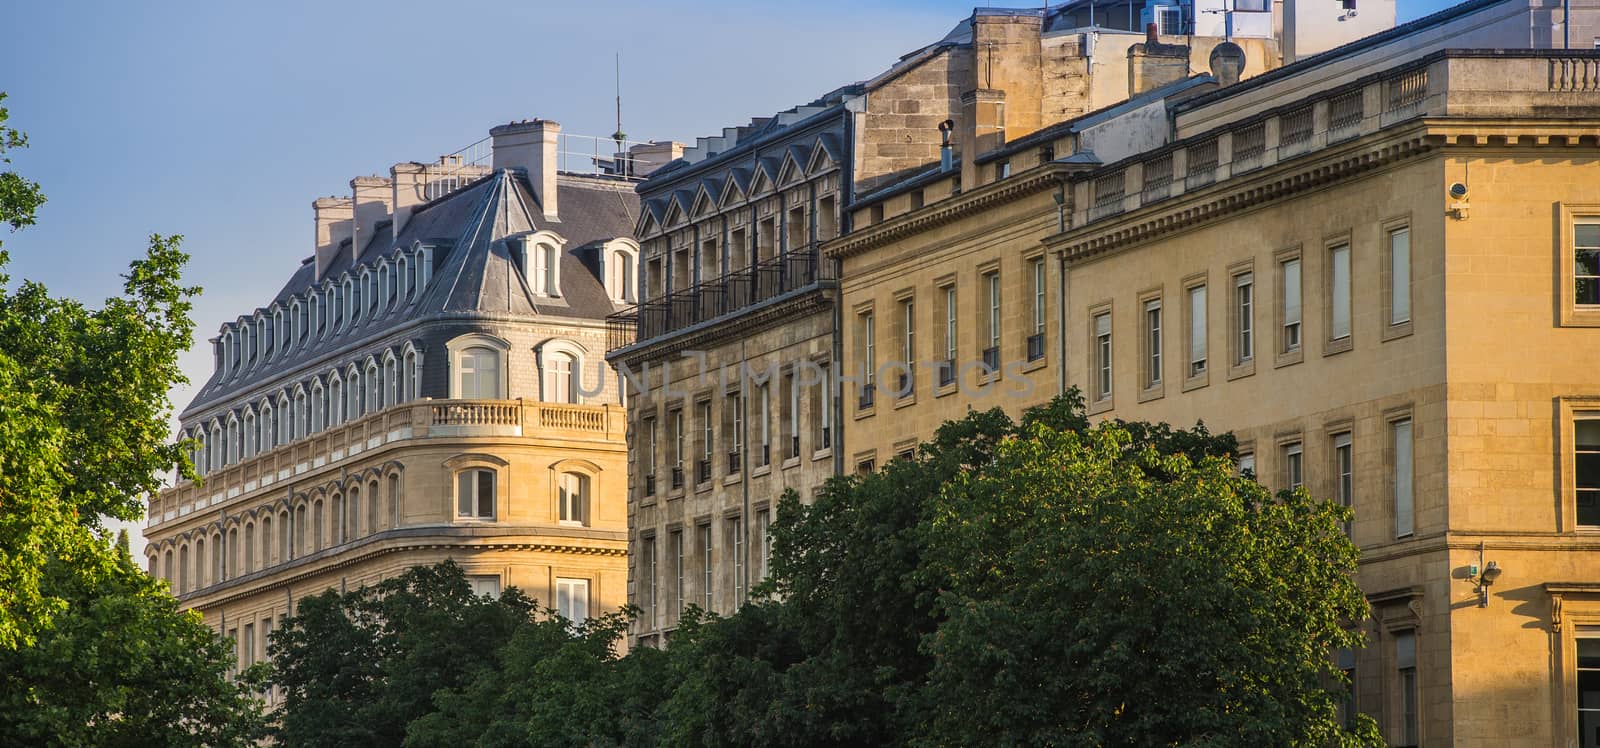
x=1310, y=172
x=1031, y=181
x=441, y=538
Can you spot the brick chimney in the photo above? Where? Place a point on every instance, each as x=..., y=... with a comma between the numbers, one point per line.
x=374, y=201
x=335, y=219
x=409, y=191
x=1152, y=64
x=531, y=145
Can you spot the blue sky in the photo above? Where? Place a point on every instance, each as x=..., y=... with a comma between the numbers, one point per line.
x=222, y=121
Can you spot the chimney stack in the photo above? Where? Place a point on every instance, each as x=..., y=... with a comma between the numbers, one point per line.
x=374, y=201
x=983, y=114
x=531, y=145
x=409, y=191
x=1227, y=63
x=1152, y=64
x=335, y=218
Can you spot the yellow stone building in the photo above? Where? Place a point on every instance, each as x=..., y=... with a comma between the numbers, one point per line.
x=429, y=385
x=1378, y=268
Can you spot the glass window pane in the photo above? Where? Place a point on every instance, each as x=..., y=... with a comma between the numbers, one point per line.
x=1586, y=235
x=1405, y=650
x=464, y=493
x=1588, y=433
x=485, y=493
x=1589, y=653
x=1341, y=292
x=1399, y=276
x=1291, y=292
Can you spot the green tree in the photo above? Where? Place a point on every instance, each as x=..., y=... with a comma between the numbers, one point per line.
x=358, y=668
x=121, y=665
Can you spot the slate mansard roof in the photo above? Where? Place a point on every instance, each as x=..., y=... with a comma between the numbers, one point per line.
x=473, y=271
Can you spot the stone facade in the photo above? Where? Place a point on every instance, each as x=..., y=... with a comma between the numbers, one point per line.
x=430, y=385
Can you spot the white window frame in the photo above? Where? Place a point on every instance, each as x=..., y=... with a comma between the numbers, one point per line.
x=475, y=509
x=572, y=599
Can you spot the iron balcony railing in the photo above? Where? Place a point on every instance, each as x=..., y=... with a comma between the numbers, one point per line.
x=711, y=299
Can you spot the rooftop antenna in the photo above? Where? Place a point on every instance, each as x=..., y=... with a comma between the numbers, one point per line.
x=619, y=135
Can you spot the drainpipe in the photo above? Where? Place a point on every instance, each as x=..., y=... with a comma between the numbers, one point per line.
x=744, y=482
x=1061, y=295
x=847, y=198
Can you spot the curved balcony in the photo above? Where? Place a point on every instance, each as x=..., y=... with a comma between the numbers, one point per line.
x=412, y=421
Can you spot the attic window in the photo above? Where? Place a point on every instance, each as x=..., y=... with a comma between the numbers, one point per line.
x=621, y=273
x=546, y=277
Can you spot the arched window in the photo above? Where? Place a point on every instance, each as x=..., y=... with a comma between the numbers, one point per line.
x=249, y=549
x=319, y=406
x=235, y=450
x=316, y=526
x=475, y=494
x=302, y=421
x=199, y=562
x=622, y=280
x=394, y=500
x=230, y=550
x=335, y=400
x=560, y=378
x=183, y=569
x=369, y=387
x=150, y=565
x=408, y=376
x=374, y=500
x=268, y=553
x=214, y=460
x=249, y=433
x=352, y=513
x=269, y=426
x=339, y=531
x=391, y=379
x=285, y=547
x=296, y=538
x=166, y=565
x=285, y=420
x=574, y=498
x=352, y=393
x=479, y=377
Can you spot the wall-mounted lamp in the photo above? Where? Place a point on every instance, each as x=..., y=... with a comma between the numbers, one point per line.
x=1483, y=576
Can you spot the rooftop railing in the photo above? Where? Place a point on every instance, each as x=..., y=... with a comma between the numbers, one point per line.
x=709, y=300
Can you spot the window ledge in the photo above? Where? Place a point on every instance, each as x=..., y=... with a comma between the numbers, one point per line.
x=1336, y=347
x=1102, y=405
x=733, y=478
x=1395, y=332
x=948, y=389
x=674, y=494
x=864, y=412
x=1153, y=393
x=1290, y=358
x=902, y=402
x=1240, y=371
x=1036, y=364
x=703, y=487
x=1197, y=381
x=792, y=462
x=822, y=454
x=761, y=470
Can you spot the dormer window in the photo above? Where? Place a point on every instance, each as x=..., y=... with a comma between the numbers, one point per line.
x=544, y=262
x=280, y=331
x=621, y=262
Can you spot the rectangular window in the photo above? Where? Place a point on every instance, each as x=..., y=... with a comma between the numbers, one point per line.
x=1289, y=270
x=789, y=414
x=249, y=644
x=1345, y=660
x=1586, y=261
x=572, y=599
x=487, y=585
x=764, y=424
x=1244, y=290
x=647, y=569
x=1400, y=432
x=1247, y=465
x=1197, y=331
x=1586, y=470
x=708, y=442
x=1399, y=276
x=475, y=494
x=1339, y=290
x=991, y=354
x=733, y=415
x=1152, y=332
x=677, y=570
x=822, y=408
x=764, y=537
x=707, y=569
x=1294, y=475
x=1588, y=705
x=649, y=428
x=1344, y=473
x=736, y=528
x=950, y=323
x=676, y=419
x=1036, y=339
x=1405, y=663
x=1102, y=355
x=868, y=349
x=908, y=349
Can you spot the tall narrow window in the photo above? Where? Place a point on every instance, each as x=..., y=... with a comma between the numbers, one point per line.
x=1400, y=275
x=1290, y=272
x=947, y=369
x=649, y=427
x=475, y=494
x=991, y=351
x=1339, y=292
x=763, y=536
x=1294, y=474
x=559, y=385
x=708, y=443
x=1586, y=261
x=1400, y=432
x=647, y=569
x=734, y=416
x=707, y=567
x=1586, y=465
x=1405, y=663
x=1152, y=342
x=908, y=347
x=1197, y=331
x=736, y=525
x=1102, y=355
x=822, y=408
x=764, y=431
x=1244, y=309
x=1588, y=705
x=1036, y=340
x=675, y=421
x=677, y=570
x=869, y=355
x=1344, y=473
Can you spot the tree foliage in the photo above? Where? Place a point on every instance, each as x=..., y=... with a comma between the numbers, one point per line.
x=93, y=651
x=1048, y=582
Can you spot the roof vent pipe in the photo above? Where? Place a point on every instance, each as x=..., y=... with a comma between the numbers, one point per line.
x=946, y=154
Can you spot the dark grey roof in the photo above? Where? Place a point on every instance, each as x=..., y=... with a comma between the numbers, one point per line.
x=473, y=270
